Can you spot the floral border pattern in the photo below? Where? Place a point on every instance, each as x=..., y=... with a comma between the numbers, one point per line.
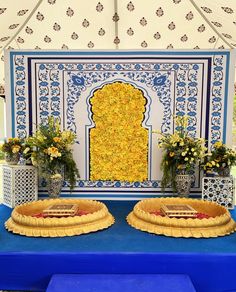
x=50, y=94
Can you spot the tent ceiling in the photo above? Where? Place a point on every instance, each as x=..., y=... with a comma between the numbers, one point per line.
x=151, y=24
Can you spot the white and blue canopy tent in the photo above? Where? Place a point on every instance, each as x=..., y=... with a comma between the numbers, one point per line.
x=57, y=55
x=123, y=24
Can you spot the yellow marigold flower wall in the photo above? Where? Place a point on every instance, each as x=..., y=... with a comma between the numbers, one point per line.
x=118, y=143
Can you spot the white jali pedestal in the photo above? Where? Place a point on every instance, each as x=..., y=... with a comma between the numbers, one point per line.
x=219, y=189
x=20, y=184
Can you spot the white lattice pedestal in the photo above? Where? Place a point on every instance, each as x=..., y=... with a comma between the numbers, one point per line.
x=220, y=190
x=20, y=184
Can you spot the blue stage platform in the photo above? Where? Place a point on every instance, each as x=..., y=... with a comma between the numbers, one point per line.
x=29, y=263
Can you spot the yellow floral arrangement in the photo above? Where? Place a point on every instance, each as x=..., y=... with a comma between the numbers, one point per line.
x=118, y=143
x=220, y=159
x=181, y=152
x=51, y=150
x=13, y=146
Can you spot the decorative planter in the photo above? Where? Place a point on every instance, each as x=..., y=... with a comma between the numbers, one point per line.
x=12, y=159
x=225, y=172
x=183, y=184
x=54, y=186
x=219, y=189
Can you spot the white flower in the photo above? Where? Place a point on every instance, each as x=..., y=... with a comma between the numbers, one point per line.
x=26, y=150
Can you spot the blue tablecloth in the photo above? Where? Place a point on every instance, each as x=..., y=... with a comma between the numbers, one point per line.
x=118, y=238
x=29, y=263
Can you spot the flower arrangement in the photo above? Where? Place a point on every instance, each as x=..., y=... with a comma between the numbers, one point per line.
x=12, y=147
x=181, y=152
x=51, y=150
x=220, y=159
x=118, y=143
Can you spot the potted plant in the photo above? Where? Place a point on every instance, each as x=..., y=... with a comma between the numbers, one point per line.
x=51, y=151
x=181, y=153
x=220, y=160
x=12, y=149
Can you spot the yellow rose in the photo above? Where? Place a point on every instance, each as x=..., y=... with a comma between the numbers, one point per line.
x=53, y=152
x=15, y=148
x=171, y=154
x=218, y=144
x=57, y=139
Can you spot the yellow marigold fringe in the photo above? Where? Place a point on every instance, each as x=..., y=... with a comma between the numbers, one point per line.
x=219, y=224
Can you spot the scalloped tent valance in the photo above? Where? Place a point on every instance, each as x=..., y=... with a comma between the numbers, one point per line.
x=118, y=24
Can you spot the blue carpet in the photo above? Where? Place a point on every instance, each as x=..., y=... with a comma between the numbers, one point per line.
x=118, y=238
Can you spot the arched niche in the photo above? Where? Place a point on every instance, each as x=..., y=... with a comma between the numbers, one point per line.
x=118, y=140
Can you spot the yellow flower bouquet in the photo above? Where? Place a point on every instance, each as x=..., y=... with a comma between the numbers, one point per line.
x=220, y=159
x=12, y=148
x=51, y=151
x=181, y=152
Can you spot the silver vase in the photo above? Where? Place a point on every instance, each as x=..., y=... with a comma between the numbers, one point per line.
x=183, y=184
x=54, y=186
x=12, y=159
x=224, y=171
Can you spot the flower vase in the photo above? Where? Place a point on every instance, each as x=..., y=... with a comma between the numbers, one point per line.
x=224, y=171
x=54, y=186
x=183, y=184
x=12, y=159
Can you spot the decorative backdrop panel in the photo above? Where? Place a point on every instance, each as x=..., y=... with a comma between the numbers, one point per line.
x=88, y=91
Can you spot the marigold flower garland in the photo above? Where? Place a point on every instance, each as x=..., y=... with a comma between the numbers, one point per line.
x=118, y=143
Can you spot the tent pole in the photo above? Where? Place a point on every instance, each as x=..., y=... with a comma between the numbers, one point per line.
x=22, y=26
x=116, y=22
x=209, y=23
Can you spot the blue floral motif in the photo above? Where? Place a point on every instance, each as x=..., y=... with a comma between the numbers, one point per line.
x=137, y=67
x=158, y=81
x=137, y=184
x=157, y=67
x=99, y=184
x=118, y=67
x=81, y=183
x=154, y=184
x=117, y=184
x=60, y=67
x=20, y=97
x=98, y=66
x=79, y=81
x=80, y=67
x=176, y=66
x=42, y=67
x=218, y=79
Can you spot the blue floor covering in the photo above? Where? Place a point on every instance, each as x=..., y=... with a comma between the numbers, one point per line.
x=118, y=238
